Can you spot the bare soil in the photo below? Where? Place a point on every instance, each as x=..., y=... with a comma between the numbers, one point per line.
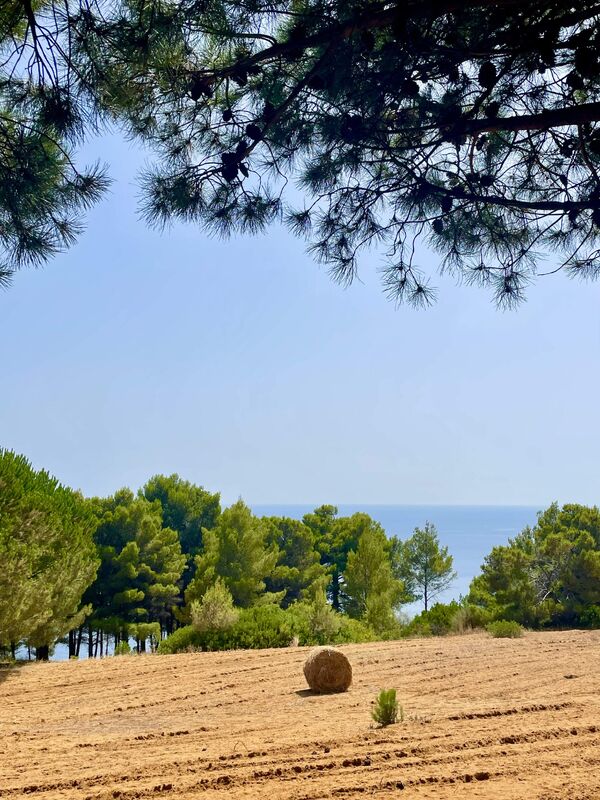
x=484, y=718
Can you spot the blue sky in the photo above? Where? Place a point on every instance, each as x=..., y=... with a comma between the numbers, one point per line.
x=241, y=366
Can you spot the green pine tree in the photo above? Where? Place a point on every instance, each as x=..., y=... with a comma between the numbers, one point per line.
x=298, y=566
x=236, y=551
x=425, y=567
x=47, y=555
x=373, y=591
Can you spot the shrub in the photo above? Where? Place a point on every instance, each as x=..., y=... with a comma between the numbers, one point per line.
x=353, y=631
x=470, y=617
x=215, y=611
x=257, y=627
x=314, y=622
x=272, y=626
x=179, y=641
x=590, y=618
x=436, y=621
x=386, y=709
x=504, y=629
x=323, y=622
x=122, y=649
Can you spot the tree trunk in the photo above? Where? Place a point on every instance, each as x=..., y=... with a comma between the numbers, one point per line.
x=72, y=648
x=13, y=650
x=42, y=653
x=90, y=642
x=335, y=590
x=79, y=638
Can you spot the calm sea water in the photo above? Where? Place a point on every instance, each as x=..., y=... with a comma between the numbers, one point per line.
x=470, y=532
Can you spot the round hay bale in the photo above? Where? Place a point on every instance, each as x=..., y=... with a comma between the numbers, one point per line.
x=327, y=670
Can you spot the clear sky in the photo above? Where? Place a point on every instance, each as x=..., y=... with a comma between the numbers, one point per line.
x=240, y=366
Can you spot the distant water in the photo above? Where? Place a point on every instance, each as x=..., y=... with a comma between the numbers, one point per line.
x=470, y=532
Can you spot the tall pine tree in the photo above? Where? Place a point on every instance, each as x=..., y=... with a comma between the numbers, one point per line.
x=47, y=556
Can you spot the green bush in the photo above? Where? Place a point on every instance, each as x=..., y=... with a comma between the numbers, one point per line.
x=353, y=631
x=590, y=618
x=436, y=621
x=270, y=626
x=386, y=709
x=470, y=617
x=179, y=641
x=504, y=629
x=215, y=610
x=122, y=649
x=257, y=627
x=314, y=622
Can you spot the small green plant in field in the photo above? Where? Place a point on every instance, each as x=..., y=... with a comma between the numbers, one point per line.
x=504, y=629
x=386, y=710
x=123, y=649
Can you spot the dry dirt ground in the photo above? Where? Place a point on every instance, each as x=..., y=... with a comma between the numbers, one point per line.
x=484, y=718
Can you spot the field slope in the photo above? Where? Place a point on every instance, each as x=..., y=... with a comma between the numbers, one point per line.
x=485, y=718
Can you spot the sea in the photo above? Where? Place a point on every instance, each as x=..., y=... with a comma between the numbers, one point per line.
x=469, y=532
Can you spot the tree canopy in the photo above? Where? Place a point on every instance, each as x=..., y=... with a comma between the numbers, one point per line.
x=141, y=564
x=102, y=571
x=237, y=552
x=47, y=556
x=425, y=567
x=472, y=127
x=547, y=574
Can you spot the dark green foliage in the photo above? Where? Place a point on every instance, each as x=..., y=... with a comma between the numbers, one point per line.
x=386, y=709
x=186, y=508
x=298, y=568
x=47, y=555
x=504, y=629
x=548, y=574
x=237, y=551
x=141, y=564
x=51, y=540
x=590, y=618
x=335, y=538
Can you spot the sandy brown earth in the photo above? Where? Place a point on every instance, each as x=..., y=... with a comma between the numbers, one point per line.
x=484, y=718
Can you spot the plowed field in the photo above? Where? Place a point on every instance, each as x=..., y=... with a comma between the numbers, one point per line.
x=484, y=718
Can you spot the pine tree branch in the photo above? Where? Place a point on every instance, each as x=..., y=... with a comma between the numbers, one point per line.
x=551, y=118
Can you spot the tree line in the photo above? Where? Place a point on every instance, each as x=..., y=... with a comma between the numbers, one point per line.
x=101, y=571
x=98, y=573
